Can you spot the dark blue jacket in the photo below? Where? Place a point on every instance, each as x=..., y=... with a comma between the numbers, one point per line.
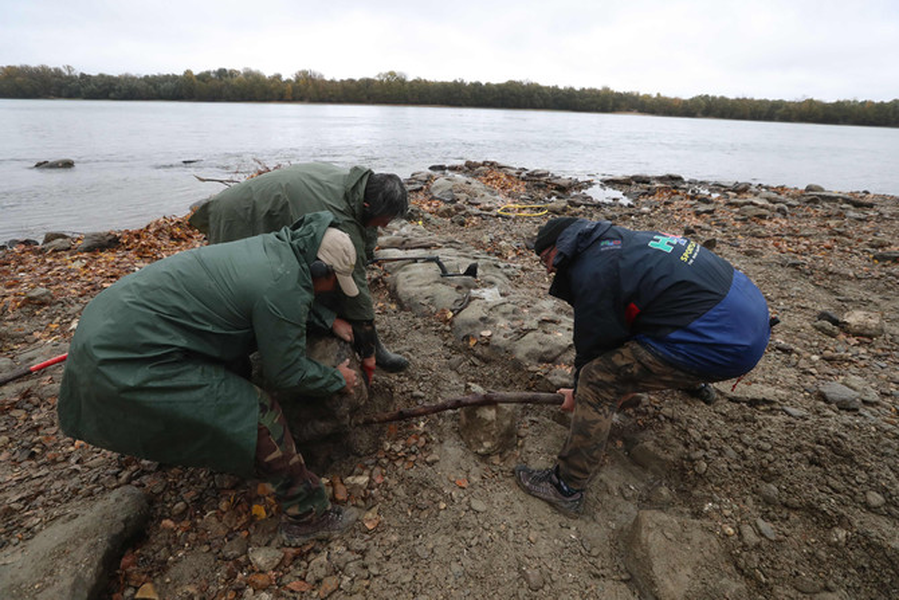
x=676, y=298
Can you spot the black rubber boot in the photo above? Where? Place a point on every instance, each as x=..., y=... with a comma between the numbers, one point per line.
x=387, y=360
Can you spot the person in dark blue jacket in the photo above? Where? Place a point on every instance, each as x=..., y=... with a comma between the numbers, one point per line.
x=652, y=311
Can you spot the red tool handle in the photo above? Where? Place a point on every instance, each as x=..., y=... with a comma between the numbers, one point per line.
x=48, y=363
x=21, y=372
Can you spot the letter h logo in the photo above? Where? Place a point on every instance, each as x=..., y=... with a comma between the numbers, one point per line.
x=663, y=243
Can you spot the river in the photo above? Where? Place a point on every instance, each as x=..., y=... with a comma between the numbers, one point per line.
x=136, y=161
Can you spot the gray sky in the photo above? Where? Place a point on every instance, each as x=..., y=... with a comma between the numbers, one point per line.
x=777, y=49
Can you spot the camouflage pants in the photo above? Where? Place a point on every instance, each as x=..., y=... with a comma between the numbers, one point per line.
x=602, y=385
x=299, y=490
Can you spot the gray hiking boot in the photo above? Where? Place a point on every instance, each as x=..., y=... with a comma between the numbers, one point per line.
x=545, y=484
x=329, y=524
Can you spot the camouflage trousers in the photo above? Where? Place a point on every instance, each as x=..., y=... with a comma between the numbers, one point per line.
x=604, y=383
x=298, y=490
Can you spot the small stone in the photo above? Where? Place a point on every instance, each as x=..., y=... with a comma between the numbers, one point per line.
x=357, y=485
x=863, y=323
x=478, y=505
x=534, y=579
x=838, y=394
x=828, y=317
x=661, y=495
x=329, y=586
x=827, y=328
x=225, y=481
x=769, y=493
x=838, y=536
x=98, y=241
x=749, y=536
x=319, y=569
x=41, y=296
x=179, y=508
x=235, y=548
x=874, y=500
x=265, y=559
x=701, y=467
x=765, y=529
x=57, y=245
x=807, y=585
x=796, y=413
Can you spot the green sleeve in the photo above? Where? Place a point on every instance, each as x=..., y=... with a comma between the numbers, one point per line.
x=322, y=316
x=279, y=320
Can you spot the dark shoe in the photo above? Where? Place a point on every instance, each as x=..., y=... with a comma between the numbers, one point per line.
x=330, y=524
x=545, y=485
x=704, y=392
x=389, y=361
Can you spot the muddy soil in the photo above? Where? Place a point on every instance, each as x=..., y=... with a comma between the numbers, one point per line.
x=801, y=492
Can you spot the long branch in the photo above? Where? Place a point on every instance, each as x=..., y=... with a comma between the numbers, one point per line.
x=462, y=402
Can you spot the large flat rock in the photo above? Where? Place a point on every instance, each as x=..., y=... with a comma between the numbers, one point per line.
x=679, y=559
x=72, y=557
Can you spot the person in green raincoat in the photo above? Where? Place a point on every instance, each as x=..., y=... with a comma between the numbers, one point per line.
x=360, y=200
x=147, y=371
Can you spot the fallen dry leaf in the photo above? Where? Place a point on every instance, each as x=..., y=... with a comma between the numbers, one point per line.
x=298, y=586
x=259, y=581
x=258, y=512
x=146, y=592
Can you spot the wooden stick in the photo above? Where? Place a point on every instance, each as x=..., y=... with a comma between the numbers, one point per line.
x=462, y=402
x=226, y=182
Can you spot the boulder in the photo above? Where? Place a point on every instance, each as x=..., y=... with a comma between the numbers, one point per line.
x=325, y=429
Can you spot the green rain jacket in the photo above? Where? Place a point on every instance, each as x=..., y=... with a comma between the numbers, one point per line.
x=278, y=198
x=145, y=374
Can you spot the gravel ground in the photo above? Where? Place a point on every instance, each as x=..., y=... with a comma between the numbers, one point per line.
x=798, y=483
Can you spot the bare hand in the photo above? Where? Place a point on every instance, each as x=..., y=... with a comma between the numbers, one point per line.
x=342, y=329
x=349, y=375
x=568, y=403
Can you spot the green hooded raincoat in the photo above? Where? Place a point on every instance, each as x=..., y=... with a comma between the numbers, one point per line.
x=145, y=373
x=278, y=198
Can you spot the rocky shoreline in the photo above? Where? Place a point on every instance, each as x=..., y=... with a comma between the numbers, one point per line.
x=788, y=483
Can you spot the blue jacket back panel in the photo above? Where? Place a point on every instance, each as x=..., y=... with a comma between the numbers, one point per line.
x=678, y=299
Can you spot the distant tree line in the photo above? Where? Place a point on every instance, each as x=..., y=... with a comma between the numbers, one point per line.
x=248, y=85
